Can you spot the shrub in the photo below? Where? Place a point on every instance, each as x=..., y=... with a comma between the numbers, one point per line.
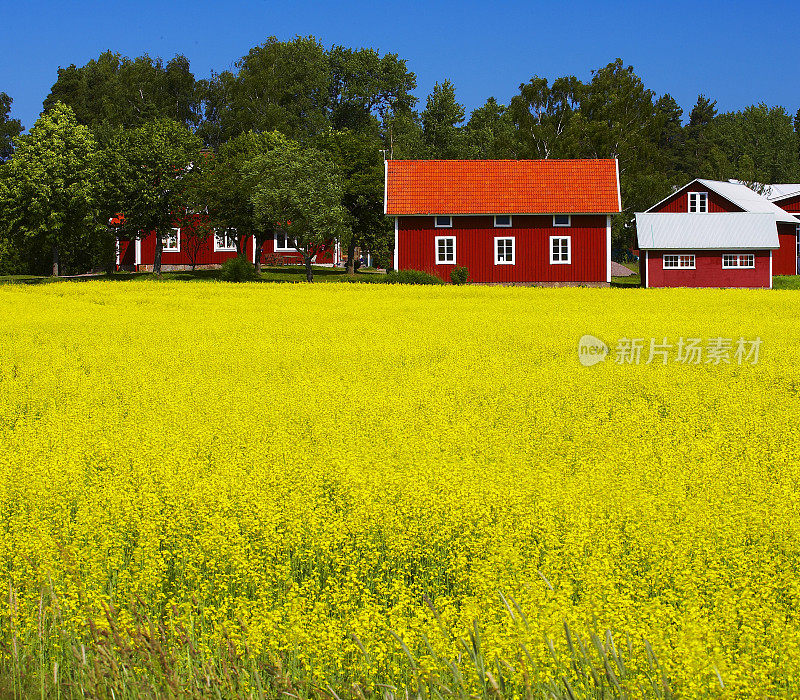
x=238, y=270
x=459, y=275
x=410, y=277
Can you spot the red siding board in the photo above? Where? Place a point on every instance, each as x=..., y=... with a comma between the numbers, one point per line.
x=791, y=204
x=475, y=248
x=678, y=203
x=324, y=257
x=709, y=271
x=784, y=260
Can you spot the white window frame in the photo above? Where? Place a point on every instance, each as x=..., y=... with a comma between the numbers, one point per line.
x=679, y=266
x=226, y=237
x=436, y=223
x=797, y=231
x=513, y=260
x=738, y=256
x=568, y=261
x=436, y=249
x=567, y=225
x=177, y=248
x=508, y=225
x=699, y=197
x=286, y=248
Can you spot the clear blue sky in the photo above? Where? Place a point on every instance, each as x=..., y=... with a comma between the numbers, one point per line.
x=736, y=52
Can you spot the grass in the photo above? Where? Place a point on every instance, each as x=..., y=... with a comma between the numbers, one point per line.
x=297, y=273
x=786, y=282
x=286, y=273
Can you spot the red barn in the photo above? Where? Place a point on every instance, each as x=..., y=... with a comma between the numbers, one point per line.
x=506, y=221
x=709, y=198
x=702, y=250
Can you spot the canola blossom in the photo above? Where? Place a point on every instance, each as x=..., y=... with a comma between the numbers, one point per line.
x=299, y=467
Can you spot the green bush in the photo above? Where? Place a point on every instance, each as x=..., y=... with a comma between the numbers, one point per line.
x=238, y=270
x=409, y=277
x=459, y=275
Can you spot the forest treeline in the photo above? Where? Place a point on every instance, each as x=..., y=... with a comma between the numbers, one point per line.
x=344, y=109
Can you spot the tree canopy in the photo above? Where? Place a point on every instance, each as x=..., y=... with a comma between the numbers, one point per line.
x=50, y=191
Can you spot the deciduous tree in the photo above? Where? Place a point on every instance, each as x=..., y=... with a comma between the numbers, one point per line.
x=150, y=167
x=50, y=190
x=301, y=190
x=9, y=128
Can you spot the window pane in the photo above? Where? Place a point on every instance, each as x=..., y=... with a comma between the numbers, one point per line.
x=502, y=220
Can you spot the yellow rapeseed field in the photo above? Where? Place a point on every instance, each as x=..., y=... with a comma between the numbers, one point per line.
x=299, y=466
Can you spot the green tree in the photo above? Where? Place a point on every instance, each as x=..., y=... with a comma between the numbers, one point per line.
x=402, y=134
x=670, y=142
x=618, y=119
x=301, y=190
x=490, y=132
x=543, y=115
x=50, y=191
x=756, y=145
x=366, y=87
x=150, y=168
x=360, y=163
x=9, y=128
x=114, y=91
x=224, y=186
x=279, y=85
x=441, y=122
x=698, y=144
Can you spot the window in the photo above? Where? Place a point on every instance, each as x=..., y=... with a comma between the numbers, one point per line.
x=732, y=260
x=504, y=251
x=698, y=202
x=225, y=240
x=674, y=262
x=560, y=253
x=172, y=241
x=562, y=220
x=445, y=250
x=284, y=243
x=798, y=240
x=502, y=221
x=443, y=222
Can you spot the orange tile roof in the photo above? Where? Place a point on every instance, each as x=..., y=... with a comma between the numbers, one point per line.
x=502, y=187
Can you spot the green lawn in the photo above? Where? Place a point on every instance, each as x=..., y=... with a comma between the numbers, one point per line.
x=288, y=273
x=296, y=273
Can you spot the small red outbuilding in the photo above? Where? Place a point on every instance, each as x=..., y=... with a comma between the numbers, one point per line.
x=506, y=221
x=697, y=205
x=701, y=250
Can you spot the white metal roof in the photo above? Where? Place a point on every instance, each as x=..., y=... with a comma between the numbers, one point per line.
x=743, y=197
x=734, y=231
x=782, y=191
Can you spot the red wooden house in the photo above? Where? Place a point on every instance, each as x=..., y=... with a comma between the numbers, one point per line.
x=506, y=221
x=183, y=249
x=715, y=234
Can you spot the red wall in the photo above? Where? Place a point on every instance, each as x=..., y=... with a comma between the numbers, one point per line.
x=325, y=257
x=708, y=272
x=792, y=204
x=475, y=248
x=205, y=254
x=784, y=260
x=679, y=202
